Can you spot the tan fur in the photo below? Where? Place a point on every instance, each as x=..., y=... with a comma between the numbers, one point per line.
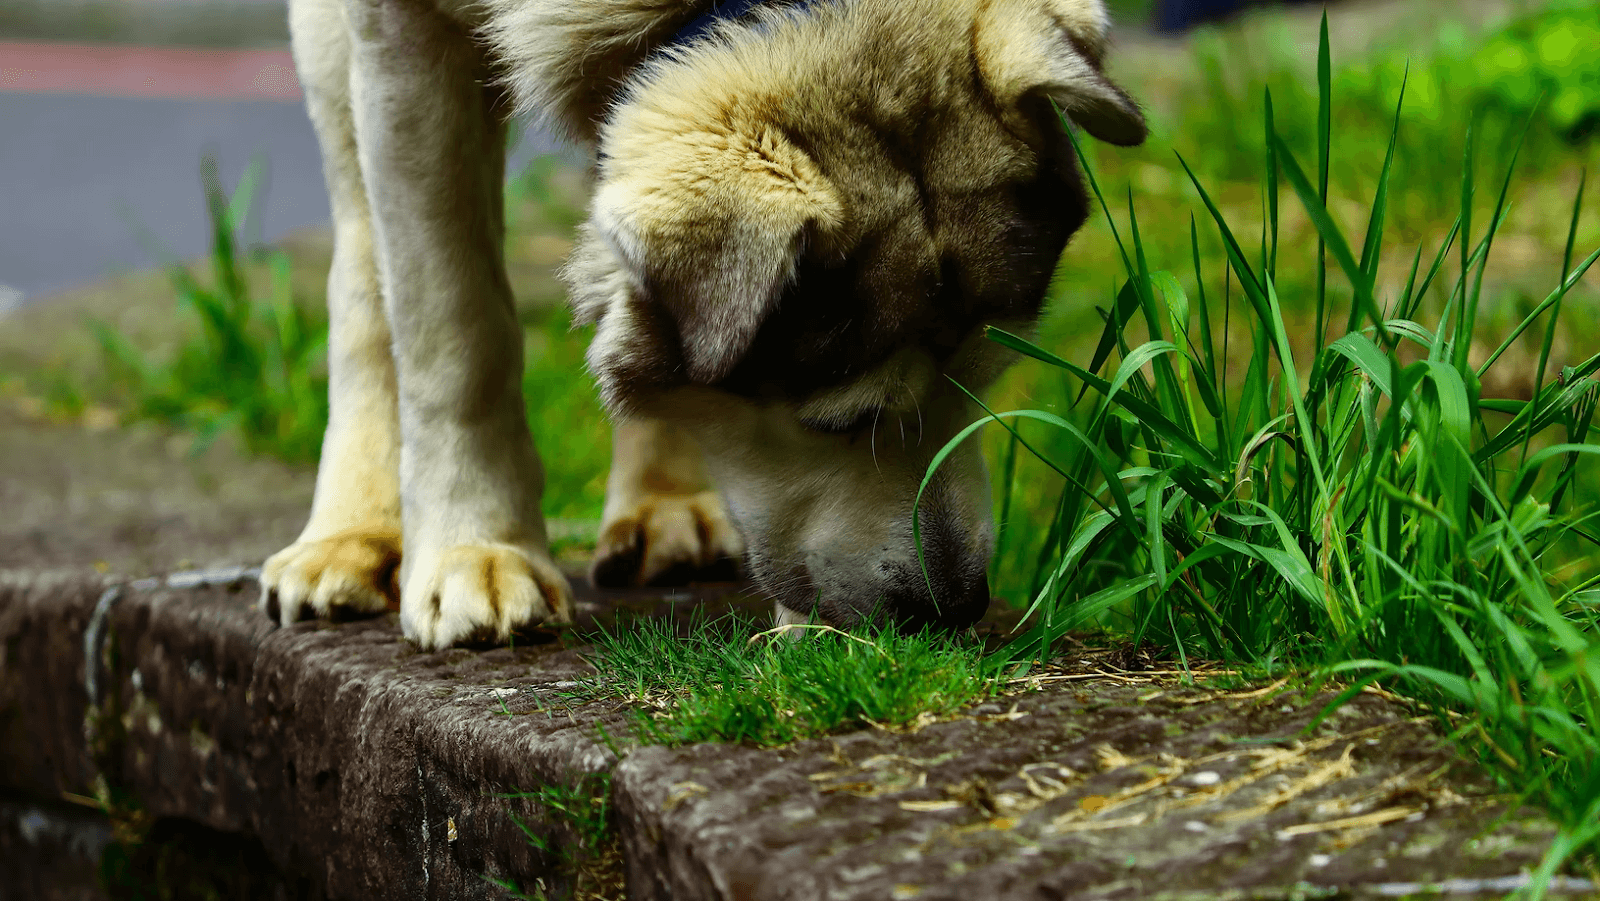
x=429, y=440
x=662, y=512
x=878, y=133
x=566, y=61
x=801, y=224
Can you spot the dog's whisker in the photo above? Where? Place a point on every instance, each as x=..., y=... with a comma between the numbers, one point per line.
x=788, y=584
x=917, y=405
x=875, y=414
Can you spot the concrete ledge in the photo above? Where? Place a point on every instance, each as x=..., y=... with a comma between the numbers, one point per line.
x=1082, y=790
x=365, y=769
x=362, y=765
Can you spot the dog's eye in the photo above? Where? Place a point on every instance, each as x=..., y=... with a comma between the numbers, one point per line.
x=842, y=426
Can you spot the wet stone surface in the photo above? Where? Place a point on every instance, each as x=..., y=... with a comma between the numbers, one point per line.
x=360, y=767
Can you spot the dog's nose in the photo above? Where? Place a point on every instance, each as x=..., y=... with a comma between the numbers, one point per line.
x=964, y=610
x=956, y=604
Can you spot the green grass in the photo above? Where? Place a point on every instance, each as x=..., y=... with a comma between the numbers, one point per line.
x=723, y=681
x=571, y=431
x=1497, y=76
x=253, y=364
x=584, y=808
x=582, y=827
x=1493, y=75
x=277, y=409
x=1444, y=92
x=1349, y=502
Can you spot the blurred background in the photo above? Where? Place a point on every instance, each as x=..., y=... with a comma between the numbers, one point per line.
x=108, y=106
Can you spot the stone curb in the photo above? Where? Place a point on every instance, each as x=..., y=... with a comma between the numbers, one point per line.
x=368, y=769
x=365, y=767
x=1033, y=798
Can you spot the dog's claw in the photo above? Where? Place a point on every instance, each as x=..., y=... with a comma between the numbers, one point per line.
x=348, y=574
x=668, y=540
x=482, y=593
x=619, y=554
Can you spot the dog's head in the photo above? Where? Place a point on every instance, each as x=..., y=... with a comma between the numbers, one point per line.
x=800, y=228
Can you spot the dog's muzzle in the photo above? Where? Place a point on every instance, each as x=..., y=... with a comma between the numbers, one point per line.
x=958, y=606
x=951, y=597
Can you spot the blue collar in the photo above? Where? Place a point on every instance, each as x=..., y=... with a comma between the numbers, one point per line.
x=721, y=11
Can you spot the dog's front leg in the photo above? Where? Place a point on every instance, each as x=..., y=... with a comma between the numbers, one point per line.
x=346, y=558
x=664, y=523
x=432, y=143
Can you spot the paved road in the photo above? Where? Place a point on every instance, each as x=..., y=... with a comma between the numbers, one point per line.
x=82, y=177
x=100, y=152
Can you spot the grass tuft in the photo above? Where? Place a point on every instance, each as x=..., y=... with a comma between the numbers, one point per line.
x=583, y=840
x=726, y=682
x=255, y=367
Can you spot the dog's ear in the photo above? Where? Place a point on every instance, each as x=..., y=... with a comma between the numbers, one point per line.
x=710, y=232
x=1056, y=48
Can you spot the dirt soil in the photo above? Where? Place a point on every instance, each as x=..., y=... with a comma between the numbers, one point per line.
x=137, y=501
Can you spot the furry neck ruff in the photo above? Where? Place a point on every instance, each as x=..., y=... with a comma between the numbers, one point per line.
x=724, y=11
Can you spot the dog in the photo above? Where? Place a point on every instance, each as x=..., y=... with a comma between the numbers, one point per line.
x=804, y=215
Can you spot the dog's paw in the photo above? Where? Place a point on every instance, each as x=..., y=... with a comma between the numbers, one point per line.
x=349, y=574
x=668, y=540
x=484, y=592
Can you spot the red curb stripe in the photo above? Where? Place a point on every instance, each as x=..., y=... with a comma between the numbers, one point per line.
x=35, y=68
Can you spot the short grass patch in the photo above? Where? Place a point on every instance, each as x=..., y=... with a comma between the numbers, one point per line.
x=725, y=681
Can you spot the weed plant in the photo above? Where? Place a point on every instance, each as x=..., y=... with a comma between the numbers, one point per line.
x=721, y=682
x=1361, y=508
x=255, y=368
x=584, y=808
x=582, y=817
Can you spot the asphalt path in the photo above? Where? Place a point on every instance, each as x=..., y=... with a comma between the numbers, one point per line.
x=100, y=158
x=93, y=186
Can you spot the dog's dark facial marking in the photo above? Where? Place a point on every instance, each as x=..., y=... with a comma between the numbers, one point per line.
x=927, y=277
